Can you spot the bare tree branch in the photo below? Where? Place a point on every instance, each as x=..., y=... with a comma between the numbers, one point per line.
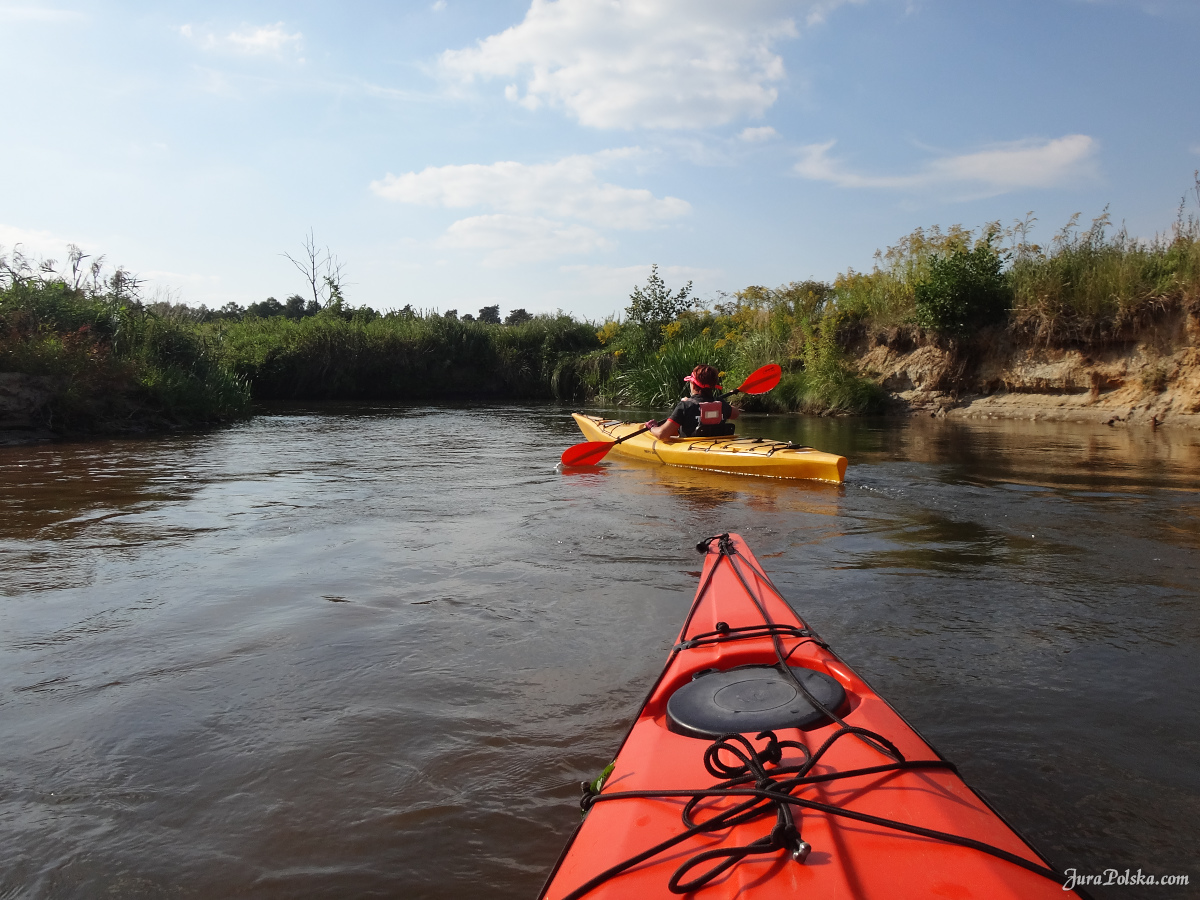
x=323, y=271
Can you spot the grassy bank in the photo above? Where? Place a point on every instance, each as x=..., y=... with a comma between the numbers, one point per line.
x=112, y=363
x=794, y=325
x=1089, y=288
x=106, y=363
x=409, y=356
x=115, y=361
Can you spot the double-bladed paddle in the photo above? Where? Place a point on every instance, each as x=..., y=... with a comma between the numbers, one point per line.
x=591, y=452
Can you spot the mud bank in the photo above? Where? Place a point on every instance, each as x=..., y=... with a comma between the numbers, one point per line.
x=1153, y=380
x=35, y=409
x=23, y=403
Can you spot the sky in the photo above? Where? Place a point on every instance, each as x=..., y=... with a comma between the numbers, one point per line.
x=542, y=155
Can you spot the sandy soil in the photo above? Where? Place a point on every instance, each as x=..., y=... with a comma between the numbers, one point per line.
x=1152, y=382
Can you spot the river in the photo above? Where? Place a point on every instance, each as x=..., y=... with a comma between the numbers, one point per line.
x=365, y=651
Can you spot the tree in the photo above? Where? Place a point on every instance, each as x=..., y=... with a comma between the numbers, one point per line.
x=490, y=315
x=293, y=307
x=517, y=316
x=322, y=270
x=655, y=305
x=264, y=309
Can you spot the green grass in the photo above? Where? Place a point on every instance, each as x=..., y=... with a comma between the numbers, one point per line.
x=1090, y=286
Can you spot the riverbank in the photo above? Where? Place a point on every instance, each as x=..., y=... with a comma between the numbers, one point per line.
x=1153, y=381
x=90, y=358
x=1149, y=383
x=85, y=359
x=1098, y=327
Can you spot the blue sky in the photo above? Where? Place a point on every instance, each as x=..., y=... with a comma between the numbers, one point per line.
x=459, y=154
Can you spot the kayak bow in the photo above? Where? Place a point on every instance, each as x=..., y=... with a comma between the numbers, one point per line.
x=762, y=766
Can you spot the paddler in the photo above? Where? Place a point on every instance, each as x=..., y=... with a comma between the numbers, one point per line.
x=701, y=413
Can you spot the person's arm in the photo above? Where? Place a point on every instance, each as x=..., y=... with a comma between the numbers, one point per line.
x=666, y=430
x=734, y=412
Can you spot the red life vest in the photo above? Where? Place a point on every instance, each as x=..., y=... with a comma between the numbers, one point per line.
x=711, y=412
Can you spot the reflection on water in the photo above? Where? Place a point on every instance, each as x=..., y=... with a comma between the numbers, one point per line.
x=936, y=542
x=343, y=651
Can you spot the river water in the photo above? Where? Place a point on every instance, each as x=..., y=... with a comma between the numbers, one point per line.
x=351, y=651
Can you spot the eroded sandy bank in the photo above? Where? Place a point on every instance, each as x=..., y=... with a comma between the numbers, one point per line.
x=1153, y=381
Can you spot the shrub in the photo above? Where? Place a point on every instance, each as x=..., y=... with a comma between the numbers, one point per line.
x=1154, y=379
x=964, y=289
x=656, y=304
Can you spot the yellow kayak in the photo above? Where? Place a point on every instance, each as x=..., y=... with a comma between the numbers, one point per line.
x=744, y=456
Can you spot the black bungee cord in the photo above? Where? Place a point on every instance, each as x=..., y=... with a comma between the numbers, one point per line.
x=762, y=769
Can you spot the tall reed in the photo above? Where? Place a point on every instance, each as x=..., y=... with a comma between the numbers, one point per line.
x=1096, y=286
x=406, y=356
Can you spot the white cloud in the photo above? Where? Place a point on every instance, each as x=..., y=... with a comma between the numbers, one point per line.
x=755, y=135
x=566, y=189
x=262, y=40
x=34, y=243
x=39, y=14
x=819, y=10
x=642, y=63
x=438, y=5
x=520, y=239
x=1006, y=167
x=267, y=39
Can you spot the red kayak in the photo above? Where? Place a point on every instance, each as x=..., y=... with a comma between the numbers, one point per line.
x=762, y=766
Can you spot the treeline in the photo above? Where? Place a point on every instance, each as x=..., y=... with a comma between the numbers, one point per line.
x=114, y=361
x=297, y=307
x=114, y=357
